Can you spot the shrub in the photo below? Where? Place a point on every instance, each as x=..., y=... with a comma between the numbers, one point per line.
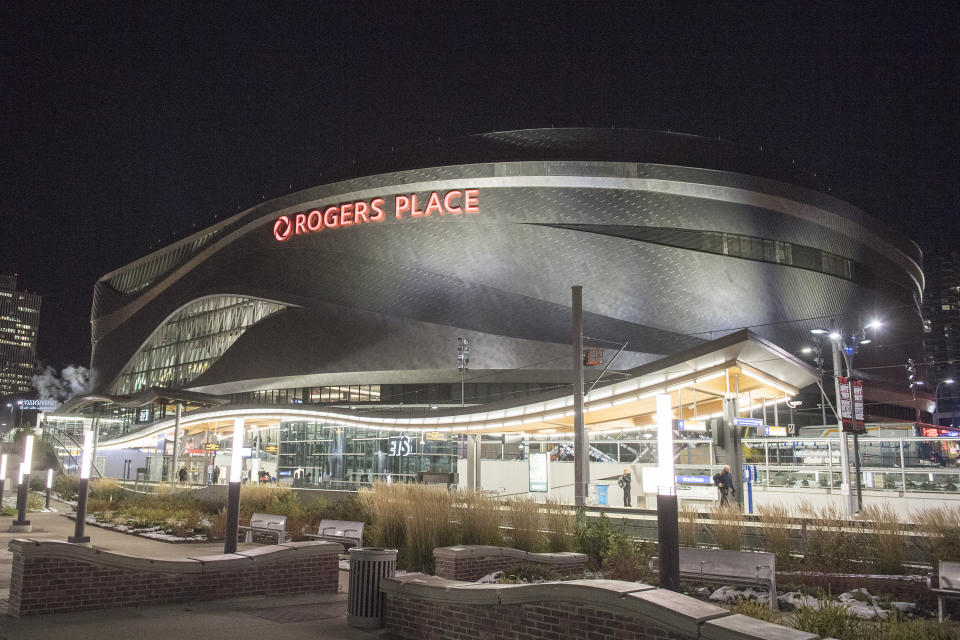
x=754, y=609
x=218, y=526
x=67, y=487
x=429, y=525
x=35, y=502
x=524, y=520
x=726, y=525
x=830, y=619
x=629, y=558
x=479, y=517
x=594, y=537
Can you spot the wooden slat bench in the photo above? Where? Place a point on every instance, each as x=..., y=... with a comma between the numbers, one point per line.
x=746, y=568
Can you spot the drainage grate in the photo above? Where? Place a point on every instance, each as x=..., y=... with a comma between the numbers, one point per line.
x=300, y=612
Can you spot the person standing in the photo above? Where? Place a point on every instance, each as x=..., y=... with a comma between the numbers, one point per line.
x=216, y=475
x=624, y=483
x=183, y=475
x=724, y=482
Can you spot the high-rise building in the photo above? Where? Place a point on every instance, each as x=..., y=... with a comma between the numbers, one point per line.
x=942, y=332
x=19, y=317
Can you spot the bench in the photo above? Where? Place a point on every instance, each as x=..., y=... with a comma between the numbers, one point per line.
x=267, y=524
x=343, y=531
x=747, y=568
x=946, y=584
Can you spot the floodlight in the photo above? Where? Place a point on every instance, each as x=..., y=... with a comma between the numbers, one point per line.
x=834, y=335
x=818, y=331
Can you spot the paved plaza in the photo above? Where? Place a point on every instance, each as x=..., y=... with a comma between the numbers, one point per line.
x=291, y=618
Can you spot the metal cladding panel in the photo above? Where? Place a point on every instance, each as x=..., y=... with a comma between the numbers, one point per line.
x=387, y=289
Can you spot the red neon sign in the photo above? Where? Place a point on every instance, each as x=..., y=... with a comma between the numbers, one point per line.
x=347, y=214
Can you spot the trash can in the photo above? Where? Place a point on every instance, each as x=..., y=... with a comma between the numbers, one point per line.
x=368, y=566
x=602, y=494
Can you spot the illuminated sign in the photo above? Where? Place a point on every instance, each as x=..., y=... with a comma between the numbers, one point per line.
x=694, y=480
x=212, y=446
x=347, y=214
x=38, y=405
x=748, y=422
x=271, y=448
x=538, y=472
x=774, y=431
x=692, y=425
x=399, y=446
x=433, y=435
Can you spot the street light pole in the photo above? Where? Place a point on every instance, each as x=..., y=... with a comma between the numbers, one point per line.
x=844, y=448
x=936, y=400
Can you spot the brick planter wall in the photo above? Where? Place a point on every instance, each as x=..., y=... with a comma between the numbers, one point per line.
x=472, y=562
x=433, y=608
x=56, y=577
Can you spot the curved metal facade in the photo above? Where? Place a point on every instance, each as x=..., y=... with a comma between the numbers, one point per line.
x=669, y=255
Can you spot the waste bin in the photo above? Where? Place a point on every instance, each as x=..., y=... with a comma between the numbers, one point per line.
x=602, y=494
x=368, y=566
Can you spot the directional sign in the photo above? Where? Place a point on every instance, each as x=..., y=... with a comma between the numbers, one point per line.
x=212, y=446
x=748, y=422
x=774, y=431
x=271, y=448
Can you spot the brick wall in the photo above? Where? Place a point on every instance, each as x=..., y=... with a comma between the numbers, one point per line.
x=56, y=577
x=419, y=618
x=472, y=562
x=431, y=608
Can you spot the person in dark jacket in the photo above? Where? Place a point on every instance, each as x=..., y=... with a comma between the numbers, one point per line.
x=183, y=475
x=724, y=482
x=624, y=483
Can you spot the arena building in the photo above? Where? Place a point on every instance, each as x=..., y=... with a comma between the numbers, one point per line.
x=353, y=297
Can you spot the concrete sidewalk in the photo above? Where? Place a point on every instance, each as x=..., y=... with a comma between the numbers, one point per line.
x=301, y=617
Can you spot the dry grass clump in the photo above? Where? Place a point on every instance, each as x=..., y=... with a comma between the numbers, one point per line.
x=526, y=523
x=938, y=531
x=688, y=521
x=776, y=528
x=726, y=525
x=886, y=541
x=411, y=518
x=559, y=523
x=830, y=544
x=479, y=517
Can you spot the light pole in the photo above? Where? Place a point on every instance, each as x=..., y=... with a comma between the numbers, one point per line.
x=845, y=349
x=817, y=351
x=463, y=359
x=49, y=486
x=936, y=400
x=233, y=491
x=21, y=524
x=86, y=461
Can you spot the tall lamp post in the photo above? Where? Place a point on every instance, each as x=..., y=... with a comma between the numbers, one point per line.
x=233, y=491
x=844, y=349
x=86, y=461
x=668, y=527
x=21, y=524
x=3, y=476
x=936, y=400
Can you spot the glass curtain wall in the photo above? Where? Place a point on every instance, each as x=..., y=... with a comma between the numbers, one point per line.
x=192, y=340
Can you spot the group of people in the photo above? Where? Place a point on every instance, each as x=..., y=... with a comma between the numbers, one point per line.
x=723, y=480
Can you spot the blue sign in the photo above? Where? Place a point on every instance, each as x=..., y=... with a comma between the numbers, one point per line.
x=694, y=480
x=748, y=422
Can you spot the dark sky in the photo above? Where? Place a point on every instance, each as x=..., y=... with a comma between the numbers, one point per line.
x=128, y=125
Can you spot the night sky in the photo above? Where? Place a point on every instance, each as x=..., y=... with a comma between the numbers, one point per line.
x=126, y=126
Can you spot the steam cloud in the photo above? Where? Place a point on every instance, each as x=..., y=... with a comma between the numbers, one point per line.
x=73, y=380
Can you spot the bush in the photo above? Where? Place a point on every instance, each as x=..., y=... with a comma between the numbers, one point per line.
x=594, y=537
x=524, y=520
x=688, y=522
x=67, y=487
x=629, y=559
x=755, y=609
